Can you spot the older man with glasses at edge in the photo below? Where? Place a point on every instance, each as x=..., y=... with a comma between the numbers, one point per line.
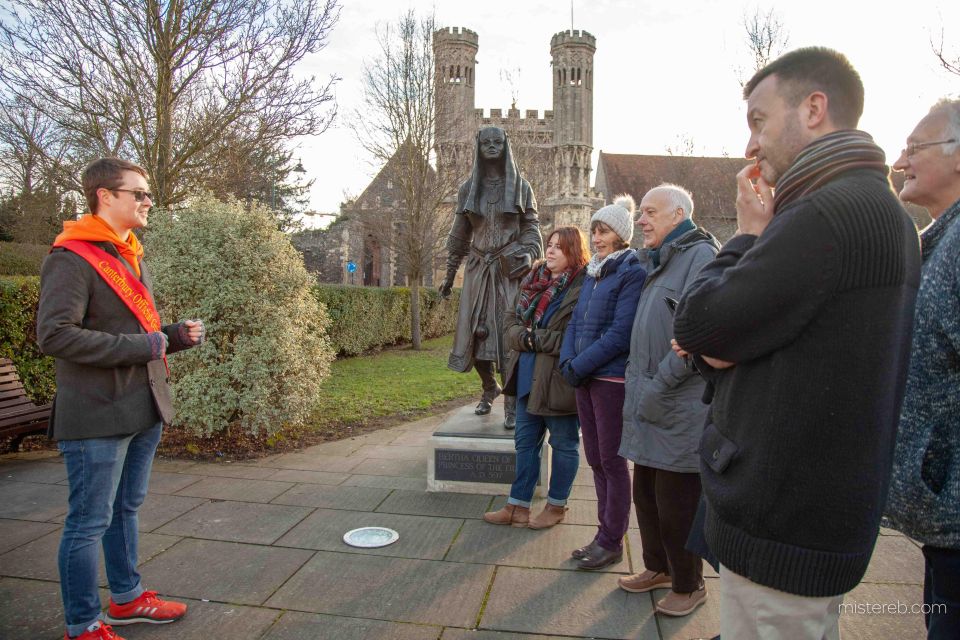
x=924, y=500
x=98, y=320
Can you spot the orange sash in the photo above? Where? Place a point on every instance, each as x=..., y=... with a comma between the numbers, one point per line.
x=130, y=290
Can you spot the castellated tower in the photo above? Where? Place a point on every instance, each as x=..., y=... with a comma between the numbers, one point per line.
x=455, y=55
x=572, y=60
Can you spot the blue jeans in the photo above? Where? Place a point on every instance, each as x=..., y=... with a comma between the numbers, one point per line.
x=108, y=480
x=528, y=441
x=941, y=592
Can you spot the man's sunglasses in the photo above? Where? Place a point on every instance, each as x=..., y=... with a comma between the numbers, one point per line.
x=138, y=194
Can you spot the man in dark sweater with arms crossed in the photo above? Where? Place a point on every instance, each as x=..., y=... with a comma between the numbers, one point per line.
x=802, y=323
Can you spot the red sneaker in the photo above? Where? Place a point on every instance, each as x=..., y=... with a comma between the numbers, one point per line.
x=102, y=632
x=147, y=608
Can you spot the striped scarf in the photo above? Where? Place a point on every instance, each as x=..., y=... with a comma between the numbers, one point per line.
x=825, y=158
x=537, y=289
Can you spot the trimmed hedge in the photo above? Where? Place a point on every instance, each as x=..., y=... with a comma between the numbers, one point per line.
x=18, y=336
x=370, y=318
x=362, y=319
x=21, y=259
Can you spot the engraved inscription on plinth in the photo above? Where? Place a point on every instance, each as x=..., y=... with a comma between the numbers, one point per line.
x=465, y=465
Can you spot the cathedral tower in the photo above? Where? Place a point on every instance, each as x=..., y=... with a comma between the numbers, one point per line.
x=572, y=59
x=455, y=56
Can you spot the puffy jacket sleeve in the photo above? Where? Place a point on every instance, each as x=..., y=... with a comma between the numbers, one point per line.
x=616, y=339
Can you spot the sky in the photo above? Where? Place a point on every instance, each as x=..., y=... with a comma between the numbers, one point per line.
x=665, y=72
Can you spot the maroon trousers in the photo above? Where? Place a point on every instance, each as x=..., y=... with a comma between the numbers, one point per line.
x=666, y=503
x=600, y=409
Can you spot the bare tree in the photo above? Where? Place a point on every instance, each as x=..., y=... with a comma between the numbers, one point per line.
x=164, y=82
x=34, y=162
x=949, y=60
x=766, y=38
x=397, y=125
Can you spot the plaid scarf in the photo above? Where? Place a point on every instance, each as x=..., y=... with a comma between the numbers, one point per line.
x=825, y=158
x=537, y=289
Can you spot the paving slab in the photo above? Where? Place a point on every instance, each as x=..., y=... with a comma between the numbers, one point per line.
x=159, y=509
x=32, y=501
x=478, y=634
x=173, y=466
x=313, y=477
x=405, y=468
x=584, y=477
x=338, y=497
x=485, y=543
x=315, y=462
x=704, y=622
x=37, y=560
x=567, y=603
x=870, y=626
x=231, y=470
x=40, y=471
x=31, y=609
x=448, y=505
x=312, y=626
x=166, y=482
x=895, y=560
x=236, y=522
x=396, y=589
x=14, y=533
x=387, y=482
x=206, y=621
x=413, y=438
x=336, y=448
x=393, y=451
x=223, y=571
x=420, y=537
x=236, y=489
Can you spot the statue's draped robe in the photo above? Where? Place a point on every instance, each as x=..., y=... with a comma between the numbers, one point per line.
x=493, y=219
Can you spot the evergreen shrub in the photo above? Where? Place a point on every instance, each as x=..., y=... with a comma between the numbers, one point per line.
x=369, y=318
x=21, y=258
x=267, y=350
x=18, y=336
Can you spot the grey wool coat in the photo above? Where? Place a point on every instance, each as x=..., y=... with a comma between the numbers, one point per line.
x=107, y=383
x=663, y=415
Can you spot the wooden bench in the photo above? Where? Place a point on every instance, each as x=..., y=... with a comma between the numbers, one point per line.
x=19, y=417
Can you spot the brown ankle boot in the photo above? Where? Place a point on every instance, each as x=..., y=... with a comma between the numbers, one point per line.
x=514, y=515
x=551, y=515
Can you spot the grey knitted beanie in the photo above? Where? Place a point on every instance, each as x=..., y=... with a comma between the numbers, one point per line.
x=618, y=216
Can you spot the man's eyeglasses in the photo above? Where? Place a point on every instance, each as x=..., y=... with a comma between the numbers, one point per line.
x=138, y=194
x=913, y=147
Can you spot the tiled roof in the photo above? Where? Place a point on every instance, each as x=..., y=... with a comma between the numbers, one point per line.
x=712, y=181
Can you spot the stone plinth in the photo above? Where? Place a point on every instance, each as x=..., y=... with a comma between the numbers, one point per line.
x=475, y=454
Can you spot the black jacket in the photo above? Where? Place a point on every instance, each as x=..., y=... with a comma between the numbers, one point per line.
x=107, y=384
x=817, y=314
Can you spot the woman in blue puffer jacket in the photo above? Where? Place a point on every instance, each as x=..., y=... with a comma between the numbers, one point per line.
x=593, y=359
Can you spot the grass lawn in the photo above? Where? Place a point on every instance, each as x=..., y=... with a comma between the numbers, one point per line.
x=396, y=383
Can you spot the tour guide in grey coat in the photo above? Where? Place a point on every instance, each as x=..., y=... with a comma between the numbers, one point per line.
x=663, y=414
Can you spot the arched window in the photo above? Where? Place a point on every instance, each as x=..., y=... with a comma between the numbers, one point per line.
x=559, y=79
x=564, y=76
x=451, y=73
x=573, y=76
x=458, y=73
x=578, y=76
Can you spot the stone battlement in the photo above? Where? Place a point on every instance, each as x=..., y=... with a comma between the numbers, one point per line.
x=577, y=36
x=530, y=117
x=456, y=34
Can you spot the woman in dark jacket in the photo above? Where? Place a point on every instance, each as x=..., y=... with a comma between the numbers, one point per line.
x=545, y=401
x=593, y=359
